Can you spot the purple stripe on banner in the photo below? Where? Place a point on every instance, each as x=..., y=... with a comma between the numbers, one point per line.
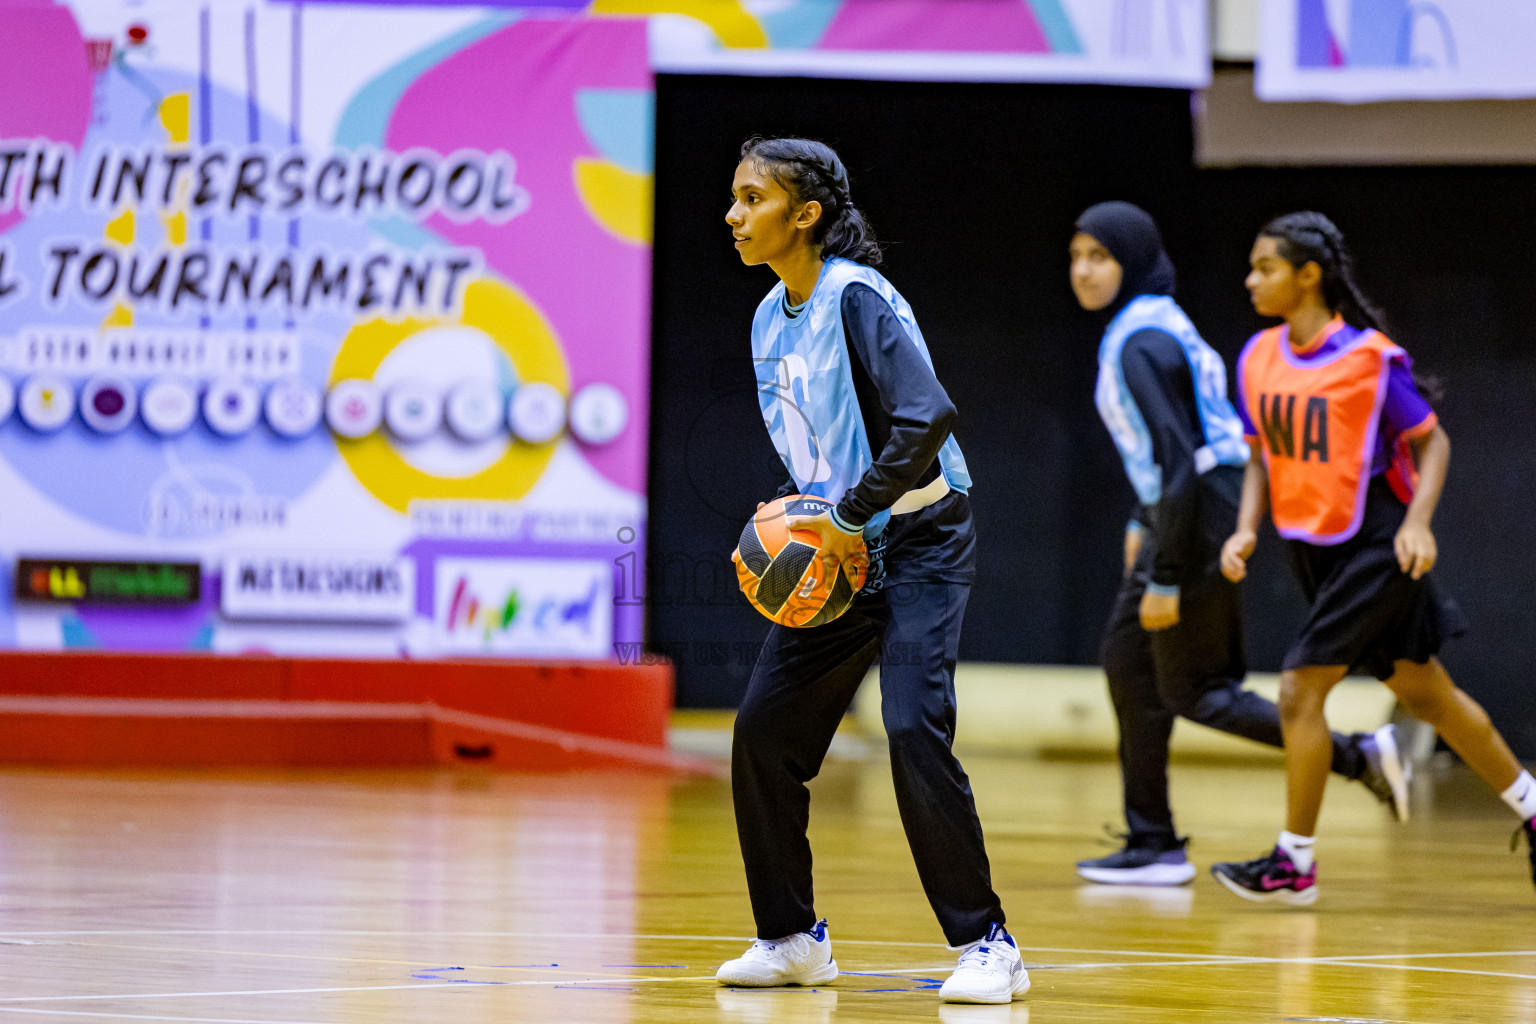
x=252, y=120
x=563, y=5
x=1315, y=46
x=205, y=113
x=296, y=67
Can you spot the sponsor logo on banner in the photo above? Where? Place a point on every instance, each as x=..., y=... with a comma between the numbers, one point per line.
x=47, y=402
x=294, y=407
x=169, y=406
x=598, y=414
x=79, y=581
x=108, y=403
x=413, y=410
x=231, y=406
x=536, y=413
x=474, y=410
x=542, y=607
x=318, y=587
x=354, y=408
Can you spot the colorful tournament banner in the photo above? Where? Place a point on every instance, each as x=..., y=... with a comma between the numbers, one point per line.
x=324, y=327
x=1356, y=51
x=1119, y=42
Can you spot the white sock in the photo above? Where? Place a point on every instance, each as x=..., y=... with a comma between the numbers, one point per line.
x=1521, y=795
x=1299, y=849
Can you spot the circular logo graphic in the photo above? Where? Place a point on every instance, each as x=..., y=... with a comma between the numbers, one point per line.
x=108, y=403
x=47, y=402
x=536, y=413
x=293, y=407
x=231, y=406
x=7, y=398
x=598, y=414
x=474, y=410
x=413, y=410
x=500, y=337
x=168, y=406
x=354, y=408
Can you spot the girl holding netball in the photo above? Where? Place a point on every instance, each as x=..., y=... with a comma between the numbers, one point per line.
x=851, y=402
x=1174, y=641
x=1351, y=460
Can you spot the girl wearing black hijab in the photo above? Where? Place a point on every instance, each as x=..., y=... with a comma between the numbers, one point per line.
x=1173, y=644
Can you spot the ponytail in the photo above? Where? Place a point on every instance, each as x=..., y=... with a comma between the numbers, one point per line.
x=811, y=172
x=1310, y=237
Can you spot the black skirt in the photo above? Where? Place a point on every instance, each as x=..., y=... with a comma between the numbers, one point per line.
x=1366, y=612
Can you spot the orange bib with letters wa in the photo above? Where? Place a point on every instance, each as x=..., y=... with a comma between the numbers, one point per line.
x=1317, y=422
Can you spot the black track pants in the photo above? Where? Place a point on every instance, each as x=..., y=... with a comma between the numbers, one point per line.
x=1194, y=669
x=799, y=691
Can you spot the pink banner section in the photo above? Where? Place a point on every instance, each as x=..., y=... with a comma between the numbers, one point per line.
x=44, y=78
x=956, y=26
x=593, y=286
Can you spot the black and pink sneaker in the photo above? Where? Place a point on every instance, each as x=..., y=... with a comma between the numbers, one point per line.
x=1528, y=829
x=1272, y=878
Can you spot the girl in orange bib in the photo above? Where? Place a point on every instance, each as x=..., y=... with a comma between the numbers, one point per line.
x=1351, y=461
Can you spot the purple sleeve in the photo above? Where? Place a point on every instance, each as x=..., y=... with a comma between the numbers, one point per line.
x=1403, y=410
x=1240, y=400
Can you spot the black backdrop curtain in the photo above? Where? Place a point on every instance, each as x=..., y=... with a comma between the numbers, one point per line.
x=974, y=189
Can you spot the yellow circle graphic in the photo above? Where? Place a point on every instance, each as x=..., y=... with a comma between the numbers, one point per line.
x=520, y=331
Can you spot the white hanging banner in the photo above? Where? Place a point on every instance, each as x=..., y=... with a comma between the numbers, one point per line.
x=1117, y=42
x=1358, y=51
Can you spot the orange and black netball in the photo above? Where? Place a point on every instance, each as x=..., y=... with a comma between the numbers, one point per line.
x=784, y=572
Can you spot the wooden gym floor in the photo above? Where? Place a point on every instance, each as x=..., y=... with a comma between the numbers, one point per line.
x=416, y=898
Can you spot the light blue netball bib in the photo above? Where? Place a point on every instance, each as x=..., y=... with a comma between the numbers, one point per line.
x=1224, y=444
x=805, y=386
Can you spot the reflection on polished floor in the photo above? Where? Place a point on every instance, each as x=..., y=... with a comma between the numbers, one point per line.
x=330, y=898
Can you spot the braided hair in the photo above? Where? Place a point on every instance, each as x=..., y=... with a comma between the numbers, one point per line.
x=1310, y=237
x=811, y=171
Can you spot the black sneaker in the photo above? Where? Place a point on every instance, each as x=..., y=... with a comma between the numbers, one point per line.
x=1528, y=829
x=1272, y=878
x=1143, y=861
x=1386, y=773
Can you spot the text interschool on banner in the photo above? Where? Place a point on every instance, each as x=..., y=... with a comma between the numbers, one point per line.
x=218, y=179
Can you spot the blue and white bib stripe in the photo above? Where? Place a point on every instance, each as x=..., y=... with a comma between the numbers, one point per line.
x=805, y=387
x=1224, y=444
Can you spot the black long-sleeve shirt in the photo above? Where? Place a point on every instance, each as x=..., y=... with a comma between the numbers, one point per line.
x=1157, y=375
x=907, y=413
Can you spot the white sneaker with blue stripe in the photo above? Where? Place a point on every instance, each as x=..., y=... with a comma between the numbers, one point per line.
x=804, y=958
x=990, y=971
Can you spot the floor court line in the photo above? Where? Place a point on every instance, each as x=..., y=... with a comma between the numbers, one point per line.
x=146, y=1016
x=1427, y=956
x=416, y=964
x=1256, y=961
x=556, y=935
x=1174, y=960
x=11, y=1000
x=609, y=981
x=1429, y=970
x=622, y=936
